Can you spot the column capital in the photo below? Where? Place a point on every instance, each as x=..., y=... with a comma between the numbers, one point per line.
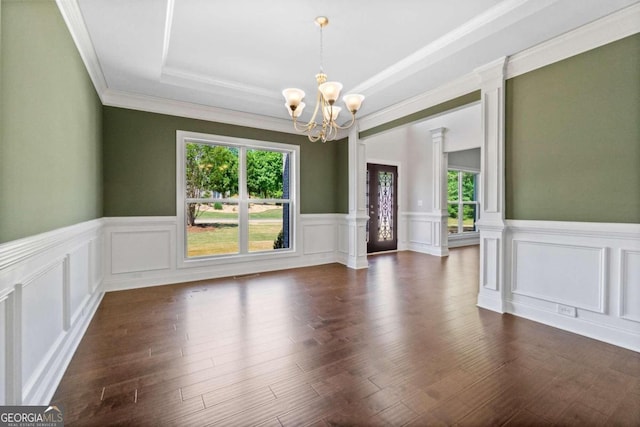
x=438, y=133
x=493, y=73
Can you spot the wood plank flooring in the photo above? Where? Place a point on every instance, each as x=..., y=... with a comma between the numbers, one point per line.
x=401, y=343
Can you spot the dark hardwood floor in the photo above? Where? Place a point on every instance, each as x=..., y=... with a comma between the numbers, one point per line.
x=401, y=343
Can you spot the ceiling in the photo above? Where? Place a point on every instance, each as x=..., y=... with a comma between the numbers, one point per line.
x=239, y=55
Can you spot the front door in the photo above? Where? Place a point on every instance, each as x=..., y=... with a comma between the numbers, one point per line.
x=382, y=188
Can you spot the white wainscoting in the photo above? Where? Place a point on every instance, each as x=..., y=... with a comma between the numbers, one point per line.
x=50, y=286
x=142, y=251
x=581, y=277
x=421, y=231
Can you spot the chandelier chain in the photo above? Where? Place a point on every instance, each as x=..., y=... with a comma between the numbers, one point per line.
x=321, y=50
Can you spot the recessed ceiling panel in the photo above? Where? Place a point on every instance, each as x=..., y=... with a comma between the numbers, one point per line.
x=239, y=55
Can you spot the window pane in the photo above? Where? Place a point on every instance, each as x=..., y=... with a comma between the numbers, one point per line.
x=452, y=223
x=452, y=185
x=211, y=171
x=214, y=230
x=469, y=217
x=268, y=226
x=468, y=186
x=267, y=174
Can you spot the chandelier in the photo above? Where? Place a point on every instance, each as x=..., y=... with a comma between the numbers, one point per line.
x=328, y=93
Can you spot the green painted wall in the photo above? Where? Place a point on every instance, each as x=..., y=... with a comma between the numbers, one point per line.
x=51, y=130
x=423, y=114
x=342, y=176
x=573, y=138
x=139, y=153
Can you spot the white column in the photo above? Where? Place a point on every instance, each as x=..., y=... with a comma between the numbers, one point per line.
x=358, y=213
x=491, y=294
x=440, y=165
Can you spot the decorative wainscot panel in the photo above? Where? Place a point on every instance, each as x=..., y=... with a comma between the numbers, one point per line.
x=143, y=251
x=582, y=277
x=50, y=286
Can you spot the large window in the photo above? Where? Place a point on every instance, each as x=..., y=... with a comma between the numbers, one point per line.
x=235, y=196
x=462, y=198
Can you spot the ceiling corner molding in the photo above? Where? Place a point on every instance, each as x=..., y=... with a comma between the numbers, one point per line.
x=215, y=86
x=72, y=16
x=152, y=104
x=613, y=27
x=455, y=88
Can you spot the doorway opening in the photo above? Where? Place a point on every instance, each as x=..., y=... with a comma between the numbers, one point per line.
x=381, y=199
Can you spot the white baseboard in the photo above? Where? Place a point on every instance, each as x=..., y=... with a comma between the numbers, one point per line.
x=494, y=304
x=459, y=242
x=599, y=331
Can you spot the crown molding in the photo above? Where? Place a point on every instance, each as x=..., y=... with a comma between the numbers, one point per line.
x=153, y=104
x=616, y=26
x=70, y=11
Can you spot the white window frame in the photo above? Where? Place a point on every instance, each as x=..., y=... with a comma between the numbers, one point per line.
x=183, y=261
x=460, y=203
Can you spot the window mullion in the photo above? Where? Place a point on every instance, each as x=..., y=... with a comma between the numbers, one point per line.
x=460, y=204
x=243, y=232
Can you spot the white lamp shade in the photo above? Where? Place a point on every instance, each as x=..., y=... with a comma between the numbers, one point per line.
x=330, y=91
x=331, y=112
x=293, y=96
x=353, y=101
x=297, y=112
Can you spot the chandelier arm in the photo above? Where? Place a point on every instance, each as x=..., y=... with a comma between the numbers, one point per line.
x=319, y=101
x=353, y=120
x=315, y=138
x=306, y=127
x=331, y=134
x=311, y=124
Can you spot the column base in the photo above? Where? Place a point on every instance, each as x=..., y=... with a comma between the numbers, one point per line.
x=357, y=256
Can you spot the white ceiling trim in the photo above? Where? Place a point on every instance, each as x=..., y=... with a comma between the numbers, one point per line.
x=70, y=11
x=212, y=85
x=177, y=76
x=168, y=24
x=152, y=104
x=471, y=32
x=613, y=27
